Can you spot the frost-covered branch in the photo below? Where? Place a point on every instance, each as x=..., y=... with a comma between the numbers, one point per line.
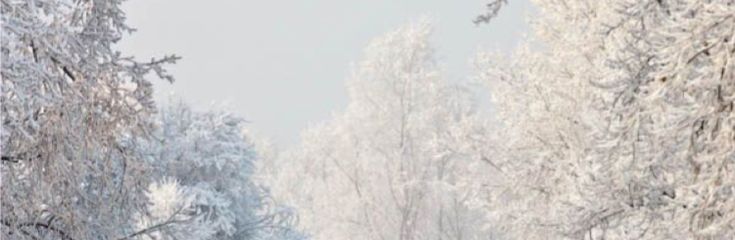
x=493, y=8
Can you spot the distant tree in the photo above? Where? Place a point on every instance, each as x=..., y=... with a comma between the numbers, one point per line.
x=391, y=166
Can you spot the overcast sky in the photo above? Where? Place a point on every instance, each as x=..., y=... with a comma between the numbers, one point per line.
x=282, y=64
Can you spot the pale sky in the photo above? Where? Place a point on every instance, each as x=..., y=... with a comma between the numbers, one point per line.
x=282, y=64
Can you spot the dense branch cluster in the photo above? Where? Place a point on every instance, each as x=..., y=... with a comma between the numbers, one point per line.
x=80, y=152
x=622, y=118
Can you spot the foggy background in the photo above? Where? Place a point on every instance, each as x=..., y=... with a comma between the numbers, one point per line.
x=282, y=64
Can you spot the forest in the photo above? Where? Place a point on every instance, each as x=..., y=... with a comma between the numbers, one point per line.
x=613, y=119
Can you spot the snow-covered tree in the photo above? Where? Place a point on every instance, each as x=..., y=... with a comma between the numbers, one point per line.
x=67, y=98
x=618, y=115
x=209, y=156
x=391, y=165
x=171, y=213
x=84, y=155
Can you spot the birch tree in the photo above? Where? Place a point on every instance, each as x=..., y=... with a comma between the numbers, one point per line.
x=84, y=154
x=67, y=96
x=622, y=112
x=390, y=165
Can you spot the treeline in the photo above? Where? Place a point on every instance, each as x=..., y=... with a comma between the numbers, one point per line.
x=612, y=120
